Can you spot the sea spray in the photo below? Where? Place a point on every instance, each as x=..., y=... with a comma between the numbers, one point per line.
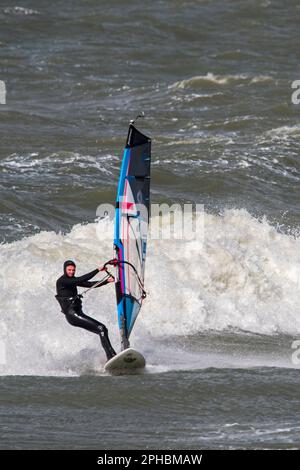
x=245, y=275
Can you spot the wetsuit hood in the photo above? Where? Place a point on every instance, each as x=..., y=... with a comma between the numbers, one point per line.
x=67, y=263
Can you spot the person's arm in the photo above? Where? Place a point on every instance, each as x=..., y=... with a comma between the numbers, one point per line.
x=77, y=281
x=92, y=283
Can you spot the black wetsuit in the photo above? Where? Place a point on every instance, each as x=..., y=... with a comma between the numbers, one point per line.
x=71, y=305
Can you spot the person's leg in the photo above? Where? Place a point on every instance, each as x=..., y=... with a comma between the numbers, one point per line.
x=90, y=324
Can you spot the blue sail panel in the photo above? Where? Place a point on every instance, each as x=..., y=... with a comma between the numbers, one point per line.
x=131, y=227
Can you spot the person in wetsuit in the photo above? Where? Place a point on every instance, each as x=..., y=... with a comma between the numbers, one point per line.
x=71, y=305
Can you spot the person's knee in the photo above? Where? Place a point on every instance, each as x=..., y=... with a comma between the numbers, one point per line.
x=71, y=318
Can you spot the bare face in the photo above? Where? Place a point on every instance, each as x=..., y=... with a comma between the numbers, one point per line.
x=70, y=271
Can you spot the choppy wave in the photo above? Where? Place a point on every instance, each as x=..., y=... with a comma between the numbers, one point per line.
x=243, y=276
x=56, y=162
x=284, y=132
x=200, y=81
x=22, y=11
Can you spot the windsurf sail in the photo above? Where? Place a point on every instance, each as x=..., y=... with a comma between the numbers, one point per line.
x=131, y=227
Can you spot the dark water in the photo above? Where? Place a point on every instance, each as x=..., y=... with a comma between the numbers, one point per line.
x=215, y=80
x=209, y=409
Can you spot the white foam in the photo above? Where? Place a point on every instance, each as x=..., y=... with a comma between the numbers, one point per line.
x=212, y=79
x=284, y=132
x=33, y=163
x=20, y=11
x=245, y=276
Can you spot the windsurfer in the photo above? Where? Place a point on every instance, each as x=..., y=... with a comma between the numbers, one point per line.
x=71, y=305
